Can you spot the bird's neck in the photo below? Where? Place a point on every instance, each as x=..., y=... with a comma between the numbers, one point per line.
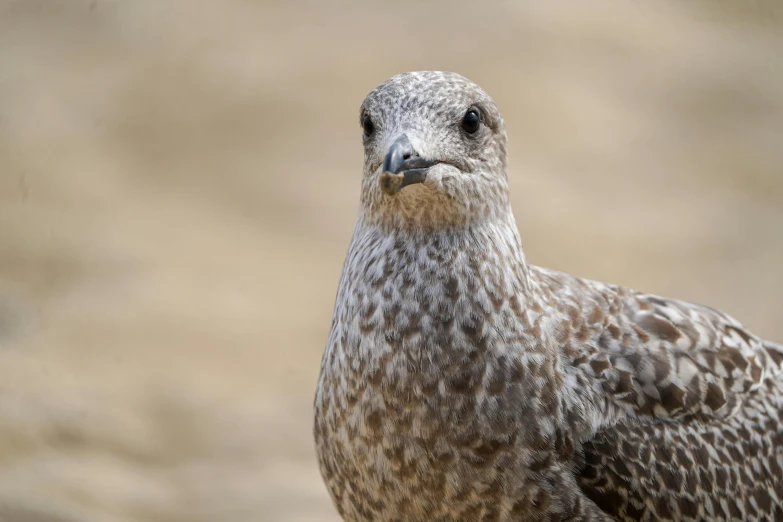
x=410, y=299
x=490, y=251
x=394, y=279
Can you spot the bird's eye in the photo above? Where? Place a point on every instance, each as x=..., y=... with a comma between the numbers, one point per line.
x=367, y=125
x=471, y=121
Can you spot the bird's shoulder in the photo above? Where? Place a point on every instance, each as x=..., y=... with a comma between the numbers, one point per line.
x=653, y=356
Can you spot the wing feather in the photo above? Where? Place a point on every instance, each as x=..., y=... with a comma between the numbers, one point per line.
x=658, y=357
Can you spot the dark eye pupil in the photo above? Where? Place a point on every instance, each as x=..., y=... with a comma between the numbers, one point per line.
x=471, y=121
x=367, y=125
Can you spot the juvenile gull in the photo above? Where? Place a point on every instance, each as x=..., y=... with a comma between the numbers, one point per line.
x=460, y=383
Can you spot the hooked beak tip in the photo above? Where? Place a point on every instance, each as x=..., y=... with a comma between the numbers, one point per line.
x=403, y=166
x=398, y=152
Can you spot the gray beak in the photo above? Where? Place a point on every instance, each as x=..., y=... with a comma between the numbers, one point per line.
x=403, y=166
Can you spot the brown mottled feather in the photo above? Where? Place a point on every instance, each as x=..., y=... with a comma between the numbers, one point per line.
x=703, y=438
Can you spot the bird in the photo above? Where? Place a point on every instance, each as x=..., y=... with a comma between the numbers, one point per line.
x=460, y=383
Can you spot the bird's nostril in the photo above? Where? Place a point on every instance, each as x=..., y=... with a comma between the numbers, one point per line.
x=406, y=156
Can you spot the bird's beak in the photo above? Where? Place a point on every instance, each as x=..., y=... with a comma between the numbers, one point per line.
x=403, y=166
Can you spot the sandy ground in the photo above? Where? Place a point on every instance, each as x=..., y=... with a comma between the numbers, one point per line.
x=179, y=181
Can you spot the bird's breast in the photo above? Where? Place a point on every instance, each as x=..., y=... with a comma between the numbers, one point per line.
x=431, y=377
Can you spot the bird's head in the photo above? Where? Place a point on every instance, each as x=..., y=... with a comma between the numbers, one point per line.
x=434, y=152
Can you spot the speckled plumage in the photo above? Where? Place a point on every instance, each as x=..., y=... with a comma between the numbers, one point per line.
x=460, y=383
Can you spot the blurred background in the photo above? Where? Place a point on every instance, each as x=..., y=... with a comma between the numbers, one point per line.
x=179, y=182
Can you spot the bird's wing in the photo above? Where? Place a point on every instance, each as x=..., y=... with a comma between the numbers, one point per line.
x=682, y=358
x=657, y=357
x=701, y=437
x=674, y=470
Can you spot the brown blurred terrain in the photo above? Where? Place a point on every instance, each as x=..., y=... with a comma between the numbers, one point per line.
x=179, y=181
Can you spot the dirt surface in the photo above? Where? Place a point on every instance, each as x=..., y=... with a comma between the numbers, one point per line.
x=179, y=182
